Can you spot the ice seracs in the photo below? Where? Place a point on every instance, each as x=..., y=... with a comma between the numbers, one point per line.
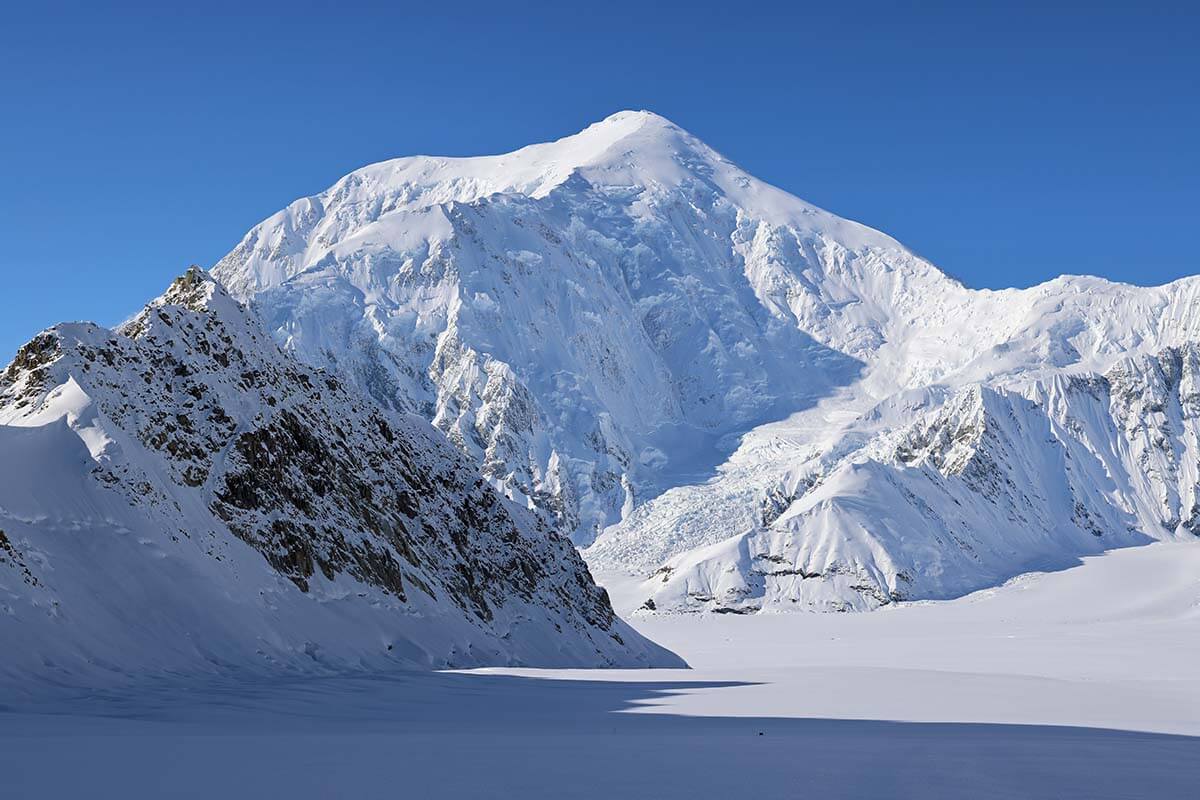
x=712, y=382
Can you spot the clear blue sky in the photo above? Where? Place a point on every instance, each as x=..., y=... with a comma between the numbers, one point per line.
x=1007, y=144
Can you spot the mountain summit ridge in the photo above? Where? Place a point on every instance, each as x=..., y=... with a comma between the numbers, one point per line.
x=627, y=148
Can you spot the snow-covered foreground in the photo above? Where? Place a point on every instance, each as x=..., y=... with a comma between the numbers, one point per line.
x=1111, y=644
x=1079, y=683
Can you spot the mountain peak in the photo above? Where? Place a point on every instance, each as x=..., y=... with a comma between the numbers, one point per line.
x=637, y=157
x=642, y=115
x=623, y=123
x=641, y=140
x=196, y=290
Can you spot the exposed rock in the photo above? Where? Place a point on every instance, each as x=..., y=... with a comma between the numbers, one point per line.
x=207, y=431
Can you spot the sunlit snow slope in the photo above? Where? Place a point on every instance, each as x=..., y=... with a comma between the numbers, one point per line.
x=740, y=398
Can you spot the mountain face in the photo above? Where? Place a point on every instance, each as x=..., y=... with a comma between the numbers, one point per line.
x=575, y=316
x=745, y=401
x=983, y=483
x=180, y=491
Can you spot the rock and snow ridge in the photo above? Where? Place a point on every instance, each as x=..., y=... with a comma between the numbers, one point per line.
x=984, y=483
x=739, y=397
x=180, y=494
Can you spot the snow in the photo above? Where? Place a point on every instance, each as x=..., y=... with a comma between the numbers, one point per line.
x=738, y=403
x=691, y=371
x=181, y=497
x=607, y=264
x=1105, y=644
x=1073, y=684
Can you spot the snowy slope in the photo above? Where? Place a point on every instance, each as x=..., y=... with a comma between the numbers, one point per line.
x=574, y=315
x=929, y=494
x=182, y=495
x=1045, y=688
x=713, y=382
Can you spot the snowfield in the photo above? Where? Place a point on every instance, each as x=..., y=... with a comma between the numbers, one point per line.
x=1073, y=684
x=1107, y=644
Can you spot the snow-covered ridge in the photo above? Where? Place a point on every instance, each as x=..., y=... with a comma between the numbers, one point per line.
x=627, y=149
x=627, y=331
x=181, y=494
x=938, y=506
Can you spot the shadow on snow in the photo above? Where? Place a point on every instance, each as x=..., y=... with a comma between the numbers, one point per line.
x=486, y=735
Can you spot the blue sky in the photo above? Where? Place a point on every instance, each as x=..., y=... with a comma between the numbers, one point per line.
x=1008, y=144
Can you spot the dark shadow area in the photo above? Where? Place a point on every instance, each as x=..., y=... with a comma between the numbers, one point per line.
x=453, y=735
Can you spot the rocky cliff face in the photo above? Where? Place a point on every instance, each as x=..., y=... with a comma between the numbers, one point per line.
x=186, y=460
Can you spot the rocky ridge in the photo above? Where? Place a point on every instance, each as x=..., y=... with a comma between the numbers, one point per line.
x=184, y=460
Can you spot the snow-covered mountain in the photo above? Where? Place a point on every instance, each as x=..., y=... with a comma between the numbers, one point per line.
x=576, y=316
x=181, y=494
x=718, y=387
x=933, y=497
